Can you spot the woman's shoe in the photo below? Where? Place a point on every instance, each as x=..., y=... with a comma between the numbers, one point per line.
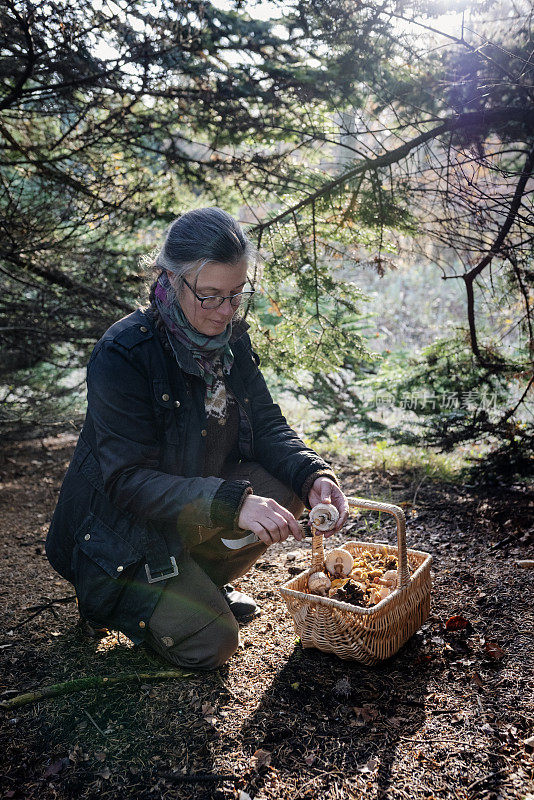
x=241, y=605
x=90, y=631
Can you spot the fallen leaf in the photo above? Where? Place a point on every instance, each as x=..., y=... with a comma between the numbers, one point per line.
x=100, y=756
x=56, y=767
x=105, y=773
x=261, y=758
x=477, y=679
x=367, y=713
x=494, y=651
x=295, y=685
x=208, y=712
x=309, y=759
x=457, y=623
x=423, y=658
x=76, y=753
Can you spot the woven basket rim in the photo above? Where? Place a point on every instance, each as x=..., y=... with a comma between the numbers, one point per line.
x=329, y=602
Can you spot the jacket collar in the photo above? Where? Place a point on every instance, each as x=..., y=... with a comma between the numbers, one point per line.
x=239, y=328
x=183, y=356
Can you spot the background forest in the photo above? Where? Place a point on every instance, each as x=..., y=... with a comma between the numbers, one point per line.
x=381, y=155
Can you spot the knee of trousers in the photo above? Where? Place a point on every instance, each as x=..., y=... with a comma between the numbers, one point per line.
x=209, y=648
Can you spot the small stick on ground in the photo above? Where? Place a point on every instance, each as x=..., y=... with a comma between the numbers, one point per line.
x=94, y=722
x=198, y=777
x=481, y=781
x=423, y=479
x=43, y=607
x=94, y=682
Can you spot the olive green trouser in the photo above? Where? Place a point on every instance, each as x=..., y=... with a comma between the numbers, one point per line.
x=192, y=625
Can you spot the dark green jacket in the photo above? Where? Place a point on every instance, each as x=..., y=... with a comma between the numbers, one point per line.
x=134, y=483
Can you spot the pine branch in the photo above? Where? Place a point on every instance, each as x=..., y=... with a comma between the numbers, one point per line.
x=459, y=123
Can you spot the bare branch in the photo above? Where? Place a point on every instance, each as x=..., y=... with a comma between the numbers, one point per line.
x=461, y=122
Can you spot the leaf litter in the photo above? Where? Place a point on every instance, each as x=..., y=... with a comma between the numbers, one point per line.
x=449, y=716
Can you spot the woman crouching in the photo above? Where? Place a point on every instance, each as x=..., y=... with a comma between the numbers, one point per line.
x=185, y=471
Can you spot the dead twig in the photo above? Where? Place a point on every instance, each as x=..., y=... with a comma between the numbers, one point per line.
x=423, y=479
x=93, y=721
x=198, y=777
x=512, y=537
x=94, y=682
x=483, y=780
x=43, y=607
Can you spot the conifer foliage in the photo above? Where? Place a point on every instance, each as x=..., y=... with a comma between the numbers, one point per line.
x=349, y=134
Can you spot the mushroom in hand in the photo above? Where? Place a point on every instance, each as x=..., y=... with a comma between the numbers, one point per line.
x=323, y=516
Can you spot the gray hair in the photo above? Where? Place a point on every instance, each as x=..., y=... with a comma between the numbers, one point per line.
x=202, y=236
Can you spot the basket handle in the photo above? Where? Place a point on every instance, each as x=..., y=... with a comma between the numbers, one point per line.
x=371, y=505
x=317, y=561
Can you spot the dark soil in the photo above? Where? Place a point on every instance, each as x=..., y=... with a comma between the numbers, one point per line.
x=447, y=717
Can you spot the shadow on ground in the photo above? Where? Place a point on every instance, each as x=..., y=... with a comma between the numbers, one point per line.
x=327, y=722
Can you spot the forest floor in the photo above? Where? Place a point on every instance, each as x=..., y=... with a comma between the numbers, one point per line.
x=447, y=717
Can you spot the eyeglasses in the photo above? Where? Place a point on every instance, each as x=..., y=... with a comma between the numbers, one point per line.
x=217, y=300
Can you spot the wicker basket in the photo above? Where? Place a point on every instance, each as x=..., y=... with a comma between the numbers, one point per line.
x=371, y=634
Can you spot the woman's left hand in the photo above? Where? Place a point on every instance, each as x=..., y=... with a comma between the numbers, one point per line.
x=324, y=490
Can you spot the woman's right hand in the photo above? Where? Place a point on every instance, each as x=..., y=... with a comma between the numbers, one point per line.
x=270, y=521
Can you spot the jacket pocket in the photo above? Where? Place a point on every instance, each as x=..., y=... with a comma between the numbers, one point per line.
x=169, y=409
x=102, y=564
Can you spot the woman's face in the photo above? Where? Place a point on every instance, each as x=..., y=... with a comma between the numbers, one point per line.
x=214, y=279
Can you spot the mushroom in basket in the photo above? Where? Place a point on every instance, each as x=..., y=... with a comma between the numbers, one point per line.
x=319, y=583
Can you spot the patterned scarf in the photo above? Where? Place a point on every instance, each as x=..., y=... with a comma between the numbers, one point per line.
x=212, y=353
